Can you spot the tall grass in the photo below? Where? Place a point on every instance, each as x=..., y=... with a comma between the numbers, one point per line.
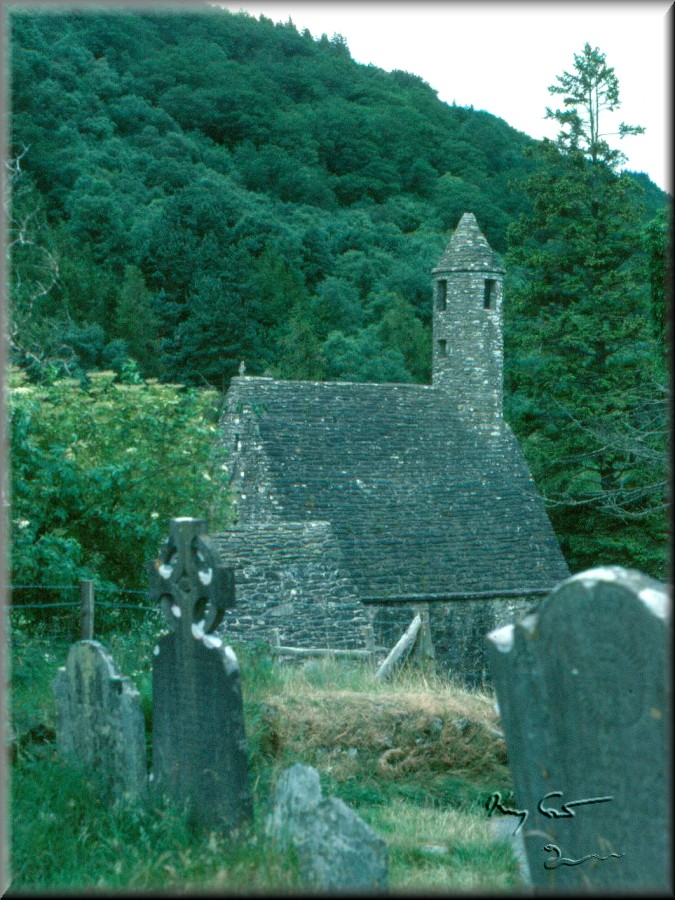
x=416, y=758
x=67, y=835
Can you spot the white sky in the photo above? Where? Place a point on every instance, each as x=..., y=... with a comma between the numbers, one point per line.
x=502, y=56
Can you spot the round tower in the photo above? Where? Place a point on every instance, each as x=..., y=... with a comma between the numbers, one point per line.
x=468, y=351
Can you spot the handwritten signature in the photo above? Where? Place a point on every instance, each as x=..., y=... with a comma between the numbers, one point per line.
x=565, y=808
x=494, y=802
x=561, y=860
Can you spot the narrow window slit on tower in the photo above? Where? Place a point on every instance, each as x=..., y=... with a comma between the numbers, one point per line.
x=489, y=294
x=442, y=294
x=442, y=348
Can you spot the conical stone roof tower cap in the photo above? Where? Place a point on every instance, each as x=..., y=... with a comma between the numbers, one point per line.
x=468, y=250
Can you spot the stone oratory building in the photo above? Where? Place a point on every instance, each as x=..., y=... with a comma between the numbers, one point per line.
x=355, y=502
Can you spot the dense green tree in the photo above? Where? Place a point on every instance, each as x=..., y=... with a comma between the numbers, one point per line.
x=659, y=274
x=136, y=321
x=582, y=386
x=195, y=274
x=98, y=217
x=336, y=307
x=99, y=468
x=317, y=258
x=300, y=349
x=207, y=345
x=272, y=170
x=401, y=331
x=362, y=357
x=453, y=196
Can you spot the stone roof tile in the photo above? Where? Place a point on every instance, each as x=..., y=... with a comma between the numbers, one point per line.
x=419, y=501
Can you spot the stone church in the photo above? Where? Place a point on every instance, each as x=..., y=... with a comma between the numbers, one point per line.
x=355, y=503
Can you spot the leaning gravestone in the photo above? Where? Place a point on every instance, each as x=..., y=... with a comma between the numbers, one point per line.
x=99, y=721
x=583, y=690
x=199, y=742
x=336, y=849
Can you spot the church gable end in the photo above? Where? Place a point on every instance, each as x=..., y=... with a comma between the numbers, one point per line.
x=244, y=457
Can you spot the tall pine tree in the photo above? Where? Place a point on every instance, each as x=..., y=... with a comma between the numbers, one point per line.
x=584, y=376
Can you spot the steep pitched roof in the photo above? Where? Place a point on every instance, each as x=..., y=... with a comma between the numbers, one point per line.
x=468, y=250
x=419, y=502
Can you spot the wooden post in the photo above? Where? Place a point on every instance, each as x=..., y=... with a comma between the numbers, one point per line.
x=369, y=638
x=86, y=610
x=424, y=647
x=401, y=649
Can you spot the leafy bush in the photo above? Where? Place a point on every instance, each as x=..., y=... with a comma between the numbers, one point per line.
x=99, y=468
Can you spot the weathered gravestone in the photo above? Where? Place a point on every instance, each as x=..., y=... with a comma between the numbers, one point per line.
x=199, y=742
x=583, y=690
x=335, y=848
x=99, y=721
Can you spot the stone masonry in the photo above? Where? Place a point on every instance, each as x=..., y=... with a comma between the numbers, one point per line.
x=468, y=355
x=293, y=578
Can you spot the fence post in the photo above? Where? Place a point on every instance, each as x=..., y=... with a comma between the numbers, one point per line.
x=86, y=610
x=401, y=649
x=369, y=638
x=424, y=647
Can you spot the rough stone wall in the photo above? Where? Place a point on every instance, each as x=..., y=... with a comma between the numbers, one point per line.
x=245, y=460
x=471, y=363
x=290, y=576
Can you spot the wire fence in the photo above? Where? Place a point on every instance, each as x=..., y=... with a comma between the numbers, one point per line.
x=75, y=587
x=91, y=597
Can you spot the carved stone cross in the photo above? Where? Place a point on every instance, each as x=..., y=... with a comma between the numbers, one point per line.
x=189, y=581
x=199, y=747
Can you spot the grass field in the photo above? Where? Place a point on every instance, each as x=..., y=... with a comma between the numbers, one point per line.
x=415, y=757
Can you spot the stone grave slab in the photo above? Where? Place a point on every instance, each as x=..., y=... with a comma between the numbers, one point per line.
x=583, y=691
x=336, y=850
x=199, y=749
x=99, y=720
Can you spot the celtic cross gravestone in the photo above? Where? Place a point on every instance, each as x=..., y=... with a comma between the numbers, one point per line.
x=583, y=691
x=199, y=749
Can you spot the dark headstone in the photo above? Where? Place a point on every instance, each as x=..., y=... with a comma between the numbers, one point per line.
x=583, y=691
x=199, y=749
x=99, y=721
x=336, y=850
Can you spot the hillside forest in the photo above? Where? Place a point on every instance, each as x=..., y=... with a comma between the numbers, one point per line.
x=190, y=190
